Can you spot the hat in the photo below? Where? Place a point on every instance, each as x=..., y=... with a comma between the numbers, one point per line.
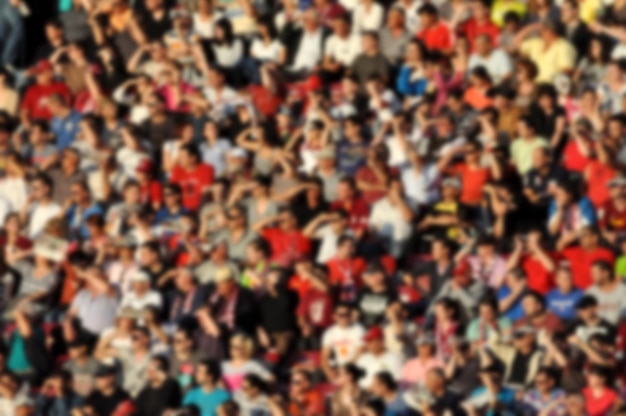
x=129, y=313
x=375, y=333
x=586, y=301
x=461, y=268
x=373, y=267
x=494, y=367
x=42, y=66
x=452, y=181
x=617, y=181
x=145, y=166
x=238, y=152
x=523, y=330
x=326, y=153
x=425, y=339
x=223, y=274
x=140, y=276
x=105, y=370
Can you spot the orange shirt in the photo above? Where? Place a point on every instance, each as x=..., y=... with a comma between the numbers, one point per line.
x=477, y=99
x=311, y=405
x=437, y=37
x=598, y=175
x=473, y=181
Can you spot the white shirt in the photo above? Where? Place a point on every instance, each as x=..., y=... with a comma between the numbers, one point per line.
x=367, y=20
x=131, y=300
x=14, y=190
x=39, y=217
x=215, y=155
x=344, y=342
x=372, y=365
x=309, y=51
x=205, y=28
x=611, y=305
x=343, y=50
x=498, y=64
x=228, y=56
x=388, y=221
x=419, y=187
x=328, y=243
x=263, y=52
x=411, y=20
x=222, y=102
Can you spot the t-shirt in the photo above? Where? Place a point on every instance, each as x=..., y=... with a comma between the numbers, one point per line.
x=107, y=405
x=372, y=365
x=35, y=100
x=373, y=305
x=437, y=37
x=183, y=370
x=473, y=181
x=206, y=402
x=581, y=261
x=344, y=342
x=287, y=247
x=83, y=376
x=563, y=305
x=522, y=153
x=233, y=376
x=155, y=400
x=611, y=305
x=599, y=405
x=193, y=183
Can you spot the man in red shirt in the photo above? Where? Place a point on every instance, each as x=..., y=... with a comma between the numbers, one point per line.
x=349, y=201
x=537, y=263
x=472, y=174
x=435, y=34
x=345, y=270
x=192, y=176
x=612, y=214
x=287, y=241
x=480, y=24
x=35, y=102
x=582, y=257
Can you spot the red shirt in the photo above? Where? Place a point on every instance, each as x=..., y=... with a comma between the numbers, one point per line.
x=573, y=158
x=612, y=218
x=287, y=246
x=601, y=405
x=472, y=29
x=192, y=183
x=357, y=209
x=581, y=260
x=36, y=99
x=151, y=192
x=539, y=278
x=437, y=37
x=346, y=276
x=598, y=175
x=316, y=307
x=473, y=181
x=366, y=174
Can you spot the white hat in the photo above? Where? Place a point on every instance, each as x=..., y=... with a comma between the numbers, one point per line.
x=140, y=276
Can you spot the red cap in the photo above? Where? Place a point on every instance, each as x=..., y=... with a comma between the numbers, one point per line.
x=42, y=66
x=461, y=268
x=145, y=166
x=374, y=333
x=313, y=83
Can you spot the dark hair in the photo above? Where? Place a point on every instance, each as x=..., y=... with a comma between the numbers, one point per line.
x=260, y=244
x=428, y=9
x=386, y=379
x=45, y=179
x=537, y=296
x=213, y=368
x=162, y=362
x=192, y=149
x=355, y=373
x=268, y=22
x=257, y=382
x=603, y=265
x=227, y=28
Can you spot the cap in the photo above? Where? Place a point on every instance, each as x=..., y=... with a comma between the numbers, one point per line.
x=238, y=152
x=461, y=268
x=223, y=274
x=452, y=181
x=145, y=166
x=375, y=333
x=617, y=181
x=42, y=66
x=326, y=153
x=105, y=370
x=140, y=276
x=523, y=330
x=586, y=301
x=425, y=339
x=494, y=367
x=373, y=267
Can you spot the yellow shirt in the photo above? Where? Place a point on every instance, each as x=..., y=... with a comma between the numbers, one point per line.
x=559, y=57
x=522, y=153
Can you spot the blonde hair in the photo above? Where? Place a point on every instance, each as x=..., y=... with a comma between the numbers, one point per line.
x=245, y=342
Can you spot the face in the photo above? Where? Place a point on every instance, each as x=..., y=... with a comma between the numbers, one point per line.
x=181, y=342
x=599, y=275
x=346, y=250
x=78, y=193
x=564, y=280
x=395, y=18
x=287, y=221
x=341, y=27
x=299, y=383
x=482, y=45
x=343, y=317
x=487, y=313
x=531, y=306
x=104, y=383
x=139, y=341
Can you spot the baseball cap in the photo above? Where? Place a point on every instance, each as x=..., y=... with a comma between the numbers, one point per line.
x=223, y=274
x=461, y=268
x=586, y=301
x=145, y=166
x=326, y=153
x=105, y=370
x=452, y=181
x=140, y=276
x=42, y=66
x=375, y=333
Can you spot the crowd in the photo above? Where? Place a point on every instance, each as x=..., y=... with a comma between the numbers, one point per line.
x=313, y=207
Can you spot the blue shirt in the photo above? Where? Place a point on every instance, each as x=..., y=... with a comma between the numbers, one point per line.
x=164, y=215
x=77, y=219
x=206, y=402
x=66, y=129
x=516, y=311
x=481, y=398
x=351, y=156
x=563, y=305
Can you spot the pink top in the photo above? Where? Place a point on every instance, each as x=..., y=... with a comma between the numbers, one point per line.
x=414, y=371
x=167, y=91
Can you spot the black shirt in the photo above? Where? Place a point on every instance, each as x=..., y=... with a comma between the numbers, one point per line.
x=105, y=405
x=278, y=312
x=519, y=368
x=154, y=401
x=154, y=29
x=373, y=305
